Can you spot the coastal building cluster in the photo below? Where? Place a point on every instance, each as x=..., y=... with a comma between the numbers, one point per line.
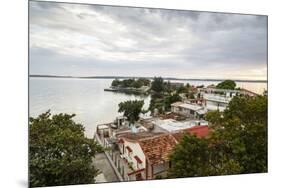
x=141, y=151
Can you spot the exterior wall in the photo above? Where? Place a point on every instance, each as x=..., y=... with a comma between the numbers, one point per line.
x=212, y=105
x=160, y=170
x=174, y=109
x=149, y=169
x=183, y=111
x=131, y=161
x=136, y=150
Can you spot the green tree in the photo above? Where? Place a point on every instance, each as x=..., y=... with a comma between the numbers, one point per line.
x=236, y=144
x=59, y=153
x=144, y=81
x=190, y=158
x=137, y=84
x=131, y=83
x=183, y=89
x=131, y=109
x=115, y=83
x=227, y=84
x=195, y=157
x=242, y=130
x=171, y=99
x=214, y=117
x=127, y=82
x=246, y=119
x=157, y=102
x=157, y=85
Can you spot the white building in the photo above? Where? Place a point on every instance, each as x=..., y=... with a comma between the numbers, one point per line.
x=188, y=109
x=147, y=155
x=171, y=125
x=218, y=99
x=216, y=102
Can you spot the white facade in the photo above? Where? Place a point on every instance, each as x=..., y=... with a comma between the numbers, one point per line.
x=136, y=151
x=187, y=109
x=216, y=102
x=129, y=156
x=214, y=105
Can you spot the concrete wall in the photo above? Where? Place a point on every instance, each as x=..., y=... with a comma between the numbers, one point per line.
x=129, y=156
x=182, y=111
x=212, y=105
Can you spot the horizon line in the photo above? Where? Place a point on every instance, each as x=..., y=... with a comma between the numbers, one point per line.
x=148, y=77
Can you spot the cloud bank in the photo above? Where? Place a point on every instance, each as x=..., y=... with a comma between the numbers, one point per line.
x=94, y=40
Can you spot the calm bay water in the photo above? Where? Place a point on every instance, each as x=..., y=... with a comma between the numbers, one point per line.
x=88, y=100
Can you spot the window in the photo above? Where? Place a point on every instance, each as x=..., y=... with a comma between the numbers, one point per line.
x=129, y=151
x=139, y=161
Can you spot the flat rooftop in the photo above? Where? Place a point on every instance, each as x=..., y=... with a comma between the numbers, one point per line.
x=171, y=125
x=194, y=107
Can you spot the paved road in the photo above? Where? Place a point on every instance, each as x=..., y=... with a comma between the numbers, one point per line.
x=108, y=175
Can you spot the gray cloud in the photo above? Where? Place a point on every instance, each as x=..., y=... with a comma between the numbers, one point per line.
x=77, y=39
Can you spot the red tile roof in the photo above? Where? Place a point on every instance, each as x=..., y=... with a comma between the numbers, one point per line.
x=137, y=136
x=158, y=148
x=199, y=131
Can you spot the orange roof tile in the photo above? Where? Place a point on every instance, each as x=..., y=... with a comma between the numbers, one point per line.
x=157, y=149
x=199, y=131
x=137, y=136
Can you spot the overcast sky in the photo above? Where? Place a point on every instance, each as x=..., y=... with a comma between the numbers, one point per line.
x=91, y=40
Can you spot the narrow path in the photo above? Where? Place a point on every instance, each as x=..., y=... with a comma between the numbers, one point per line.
x=108, y=175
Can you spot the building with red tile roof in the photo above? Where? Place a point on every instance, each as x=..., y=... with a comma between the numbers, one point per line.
x=149, y=150
x=199, y=131
x=157, y=149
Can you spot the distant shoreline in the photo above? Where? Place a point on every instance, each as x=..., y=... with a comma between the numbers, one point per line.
x=127, y=77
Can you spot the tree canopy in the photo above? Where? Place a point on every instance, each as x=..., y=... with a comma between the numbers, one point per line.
x=190, y=158
x=227, y=84
x=135, y=83
x=157, y=84
x=171, y=99
x=237, y=143
x=59, y=153
x=131, y=109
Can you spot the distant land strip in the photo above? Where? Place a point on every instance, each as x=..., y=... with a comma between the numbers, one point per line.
x=136, y=77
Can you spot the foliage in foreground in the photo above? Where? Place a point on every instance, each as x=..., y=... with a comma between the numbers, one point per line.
x=237, y=144
x=59, y=153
